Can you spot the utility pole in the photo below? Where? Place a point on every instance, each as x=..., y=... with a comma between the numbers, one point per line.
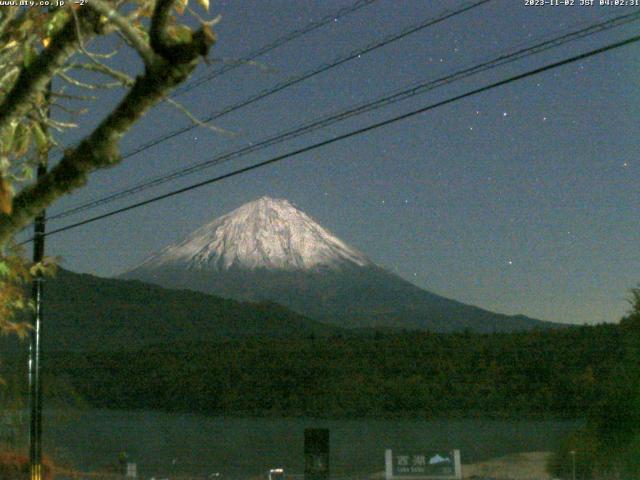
x=35, y=345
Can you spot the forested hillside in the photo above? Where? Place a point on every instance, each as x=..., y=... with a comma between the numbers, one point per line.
x=539, y=373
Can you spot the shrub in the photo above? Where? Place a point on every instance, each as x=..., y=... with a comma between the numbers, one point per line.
x=14, y=466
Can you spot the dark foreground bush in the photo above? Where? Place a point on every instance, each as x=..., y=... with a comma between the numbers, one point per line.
x=14, y=466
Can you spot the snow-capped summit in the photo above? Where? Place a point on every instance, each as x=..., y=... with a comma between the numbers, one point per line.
x=266, y=233
x=268, y=250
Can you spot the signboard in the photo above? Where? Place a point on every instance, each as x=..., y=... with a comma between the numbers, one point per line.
x=132, y=470
x=421, y=465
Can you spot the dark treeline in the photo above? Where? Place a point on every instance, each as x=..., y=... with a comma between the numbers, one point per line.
x=557, y=373
x=609, y=445
x=589, y=372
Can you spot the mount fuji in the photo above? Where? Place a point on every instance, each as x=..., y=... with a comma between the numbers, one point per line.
x=270, y=250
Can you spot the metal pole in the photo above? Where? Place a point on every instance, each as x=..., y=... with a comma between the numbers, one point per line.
x=35, y=346
x=35, y=387
x=573, y=462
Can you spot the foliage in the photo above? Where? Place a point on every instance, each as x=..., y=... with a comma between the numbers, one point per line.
x=537, y=374
x=15, y=466
x=48, y=77
x=127, y=315
x=14, y=274
x=610, y=445
x=59, y=396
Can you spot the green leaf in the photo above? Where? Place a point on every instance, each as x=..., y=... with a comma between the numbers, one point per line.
x=57, y=21
x=41, y=138
x=28, y=54
x=26, y=27
x=7, y=137
x=204, y=4
x=180, y=33
x=4, y=269
x=181, y=6
x=21, y=139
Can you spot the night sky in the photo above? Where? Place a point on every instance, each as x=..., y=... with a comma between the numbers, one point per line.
x=523, y=199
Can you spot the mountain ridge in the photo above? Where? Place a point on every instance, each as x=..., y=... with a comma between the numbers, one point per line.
x=269, y=250
x=89, y=313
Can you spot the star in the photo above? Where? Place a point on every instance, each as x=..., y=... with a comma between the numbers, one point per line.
x=544, y=119
x=504, y=114
x=510, y=262
x=625, y=164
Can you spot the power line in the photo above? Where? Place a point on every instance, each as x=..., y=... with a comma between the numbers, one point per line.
x=330, y=18
x=353, y=133
x=269, y=47
x=307, y=75
x=388, y=99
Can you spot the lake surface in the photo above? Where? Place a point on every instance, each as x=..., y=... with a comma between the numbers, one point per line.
x=163, y=444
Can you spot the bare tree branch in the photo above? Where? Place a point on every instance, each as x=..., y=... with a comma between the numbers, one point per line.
x=106, y=70
x=10, y=17
x=170, y=50
x=127, y=29
x=69, y=111
x=83, y=98
x=173, y=64
x=88, y=86
x=35, y=77
x=197, y=121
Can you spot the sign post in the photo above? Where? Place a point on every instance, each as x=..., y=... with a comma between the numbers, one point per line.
x=316, y=454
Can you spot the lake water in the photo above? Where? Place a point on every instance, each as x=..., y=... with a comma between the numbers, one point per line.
x=163, y=444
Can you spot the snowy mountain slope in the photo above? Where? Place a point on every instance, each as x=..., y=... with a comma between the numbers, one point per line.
x=267, y=233
x=270, y=250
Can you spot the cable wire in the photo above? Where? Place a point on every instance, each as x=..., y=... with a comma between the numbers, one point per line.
x=267, y=48
x=330, y=18
x=327, y=120
x=351, y=134
x=312, y=73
